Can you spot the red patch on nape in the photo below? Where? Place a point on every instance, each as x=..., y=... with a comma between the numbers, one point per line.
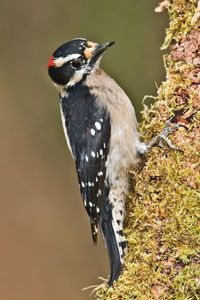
x=51, y=62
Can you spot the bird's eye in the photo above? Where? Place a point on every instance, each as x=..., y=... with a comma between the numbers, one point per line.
x=76, y=64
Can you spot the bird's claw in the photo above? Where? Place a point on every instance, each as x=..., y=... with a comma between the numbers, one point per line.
x=163, y=136
x=167, y=130
x=168, y=142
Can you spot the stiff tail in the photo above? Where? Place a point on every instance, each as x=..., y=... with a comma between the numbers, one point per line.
x=112, y=239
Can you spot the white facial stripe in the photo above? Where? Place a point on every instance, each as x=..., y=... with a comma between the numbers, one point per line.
x=78, y=75
x=62, y=60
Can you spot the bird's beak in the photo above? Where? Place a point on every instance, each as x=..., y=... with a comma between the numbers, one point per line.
x=98, y=51
x=101, y=48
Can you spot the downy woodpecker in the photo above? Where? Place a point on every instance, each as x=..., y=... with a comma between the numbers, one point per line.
x=100, y=127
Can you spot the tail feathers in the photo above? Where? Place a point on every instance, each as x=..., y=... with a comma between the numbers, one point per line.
x=113, y=250
x=111, y=224
x=120, y=238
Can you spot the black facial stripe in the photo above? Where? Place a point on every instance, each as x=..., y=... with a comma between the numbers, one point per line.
x=61, y=75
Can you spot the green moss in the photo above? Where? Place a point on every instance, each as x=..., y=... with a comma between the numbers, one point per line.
x=180, y=15
x=163, y=209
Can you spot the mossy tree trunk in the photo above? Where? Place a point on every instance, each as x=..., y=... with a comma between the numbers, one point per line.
x=163, y=211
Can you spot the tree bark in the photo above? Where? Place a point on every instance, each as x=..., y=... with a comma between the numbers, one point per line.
x=163, y=211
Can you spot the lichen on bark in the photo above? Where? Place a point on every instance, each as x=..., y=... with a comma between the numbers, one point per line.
x=163, y=210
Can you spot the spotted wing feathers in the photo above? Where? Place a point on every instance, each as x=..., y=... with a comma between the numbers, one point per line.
x=91, y=168
x=89, y=142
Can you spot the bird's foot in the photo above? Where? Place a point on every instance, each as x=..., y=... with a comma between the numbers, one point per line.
x=163, y=137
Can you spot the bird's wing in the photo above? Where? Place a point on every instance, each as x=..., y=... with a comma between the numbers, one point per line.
x=89, y=141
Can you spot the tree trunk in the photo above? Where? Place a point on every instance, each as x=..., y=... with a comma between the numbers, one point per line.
x=163, y=211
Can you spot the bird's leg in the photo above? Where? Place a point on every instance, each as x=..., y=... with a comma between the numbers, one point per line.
x=145, y=147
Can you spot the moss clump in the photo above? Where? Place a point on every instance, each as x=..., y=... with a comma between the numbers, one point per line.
x=163, y=210
x=181, y=13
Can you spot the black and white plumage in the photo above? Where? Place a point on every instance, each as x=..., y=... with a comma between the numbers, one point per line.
x=88, y=130
x=101, y=131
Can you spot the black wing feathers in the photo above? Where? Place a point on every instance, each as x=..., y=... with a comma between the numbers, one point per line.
x=88, y=128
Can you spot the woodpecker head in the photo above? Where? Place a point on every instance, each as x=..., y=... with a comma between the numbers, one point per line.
x=74, y=60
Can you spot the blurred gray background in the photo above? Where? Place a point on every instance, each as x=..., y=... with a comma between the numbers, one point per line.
x=46, y=250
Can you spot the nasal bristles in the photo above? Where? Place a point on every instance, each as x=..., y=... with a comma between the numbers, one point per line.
x=51, y=62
